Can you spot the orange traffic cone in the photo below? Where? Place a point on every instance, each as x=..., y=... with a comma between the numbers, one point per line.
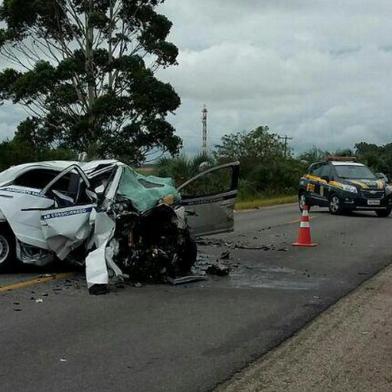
x=304, y=238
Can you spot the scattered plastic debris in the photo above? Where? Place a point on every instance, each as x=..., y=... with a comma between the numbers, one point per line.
x=186, y=279
x=218, y=269
x=206, y=266
x=225, y=255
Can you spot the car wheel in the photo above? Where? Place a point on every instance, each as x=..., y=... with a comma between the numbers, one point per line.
x=303, y=201
x=7, y=249
x=335, y=205
x=384, y=213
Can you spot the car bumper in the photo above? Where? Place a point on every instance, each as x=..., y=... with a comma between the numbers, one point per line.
x=360, y=202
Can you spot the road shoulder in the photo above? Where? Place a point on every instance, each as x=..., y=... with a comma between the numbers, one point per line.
x=347, y=348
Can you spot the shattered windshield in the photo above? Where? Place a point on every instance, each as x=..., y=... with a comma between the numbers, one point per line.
x=145, y=191
x=354, y=172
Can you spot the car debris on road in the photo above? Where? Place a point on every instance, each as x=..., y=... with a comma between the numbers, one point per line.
x=115, y=222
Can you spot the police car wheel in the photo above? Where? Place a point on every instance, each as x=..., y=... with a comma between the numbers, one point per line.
x=384, y=213
x=303, y=201
x=335, y=205
x=7, y=249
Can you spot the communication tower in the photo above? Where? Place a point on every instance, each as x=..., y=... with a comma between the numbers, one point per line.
x=205, y=130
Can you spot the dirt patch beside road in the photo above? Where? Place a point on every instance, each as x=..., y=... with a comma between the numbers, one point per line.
x=347, y=348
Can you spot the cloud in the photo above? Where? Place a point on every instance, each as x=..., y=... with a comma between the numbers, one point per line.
x=316, y=70
x=10, y=116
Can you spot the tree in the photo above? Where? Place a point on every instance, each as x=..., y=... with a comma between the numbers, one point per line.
x=17, y=151
x=182, y=168
x=265, y=168
x=345, y=152
x=314, y=155
x=84, y=69
x=257, y=146
x=379, y=158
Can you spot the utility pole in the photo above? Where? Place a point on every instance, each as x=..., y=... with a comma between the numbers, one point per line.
x=286, y=143
x=205, y=130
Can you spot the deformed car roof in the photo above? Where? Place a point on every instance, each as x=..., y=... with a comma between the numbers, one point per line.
x=11, y=173
x=143, y=191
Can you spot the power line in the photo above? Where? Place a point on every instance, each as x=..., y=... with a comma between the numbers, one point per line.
x=286, y=143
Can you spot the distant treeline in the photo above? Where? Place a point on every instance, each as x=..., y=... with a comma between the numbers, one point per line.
x=267, y=166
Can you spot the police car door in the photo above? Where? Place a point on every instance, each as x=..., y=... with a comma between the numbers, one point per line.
x=67, y=225
x=209, y=200
x=322, y=188
x=313, y=184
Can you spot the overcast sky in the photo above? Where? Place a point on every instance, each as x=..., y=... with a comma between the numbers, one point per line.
x=317, y=70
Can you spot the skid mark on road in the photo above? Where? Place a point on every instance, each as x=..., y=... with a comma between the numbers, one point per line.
x=36, y=281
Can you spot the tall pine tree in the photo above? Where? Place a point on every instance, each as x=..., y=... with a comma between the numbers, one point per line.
x=84, y=69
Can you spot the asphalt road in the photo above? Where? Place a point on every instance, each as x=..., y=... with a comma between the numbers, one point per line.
x=193, y=337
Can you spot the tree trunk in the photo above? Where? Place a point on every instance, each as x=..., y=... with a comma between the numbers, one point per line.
x=111, y=44
x=91, y=83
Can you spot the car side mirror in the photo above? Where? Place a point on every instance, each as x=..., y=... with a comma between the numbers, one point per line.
x=326, y=178
x=382, y=176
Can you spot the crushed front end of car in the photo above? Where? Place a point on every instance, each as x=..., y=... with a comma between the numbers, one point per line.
x=115, y=222
x=140, y=233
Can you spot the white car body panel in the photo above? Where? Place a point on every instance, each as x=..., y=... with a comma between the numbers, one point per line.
x=25, y=222
x=98, y=261
x=64, y=229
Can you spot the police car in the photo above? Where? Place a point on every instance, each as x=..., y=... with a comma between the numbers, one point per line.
x=344, y=185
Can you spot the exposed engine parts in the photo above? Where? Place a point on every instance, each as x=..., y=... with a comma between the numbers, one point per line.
x=152, y=246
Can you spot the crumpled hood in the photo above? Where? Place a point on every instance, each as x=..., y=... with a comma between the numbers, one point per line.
x=366, y=184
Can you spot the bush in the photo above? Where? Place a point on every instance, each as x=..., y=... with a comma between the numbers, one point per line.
x=183, y=168
x=274, y=178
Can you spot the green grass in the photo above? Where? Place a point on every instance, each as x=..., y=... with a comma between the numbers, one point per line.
x=264, y=202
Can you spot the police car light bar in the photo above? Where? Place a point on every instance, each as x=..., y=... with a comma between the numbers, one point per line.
x=341, y=159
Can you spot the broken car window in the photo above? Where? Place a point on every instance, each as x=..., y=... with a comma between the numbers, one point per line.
x=36, y=178
x=215, y=182
x=102, y=180
x=69, y=190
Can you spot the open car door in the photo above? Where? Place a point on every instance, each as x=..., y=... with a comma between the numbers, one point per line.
x=209, y=199
x=66, y=225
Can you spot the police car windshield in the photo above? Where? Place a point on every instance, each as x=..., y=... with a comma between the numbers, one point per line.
x=354, y=172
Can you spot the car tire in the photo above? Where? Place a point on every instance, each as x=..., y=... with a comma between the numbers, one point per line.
x=302, y=201
x=7, y=248
x=335, y=205
x=384, y=213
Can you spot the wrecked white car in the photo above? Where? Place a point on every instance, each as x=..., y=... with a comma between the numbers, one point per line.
x=106, y=216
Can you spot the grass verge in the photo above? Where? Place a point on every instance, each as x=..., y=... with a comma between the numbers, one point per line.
x=265, y=202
